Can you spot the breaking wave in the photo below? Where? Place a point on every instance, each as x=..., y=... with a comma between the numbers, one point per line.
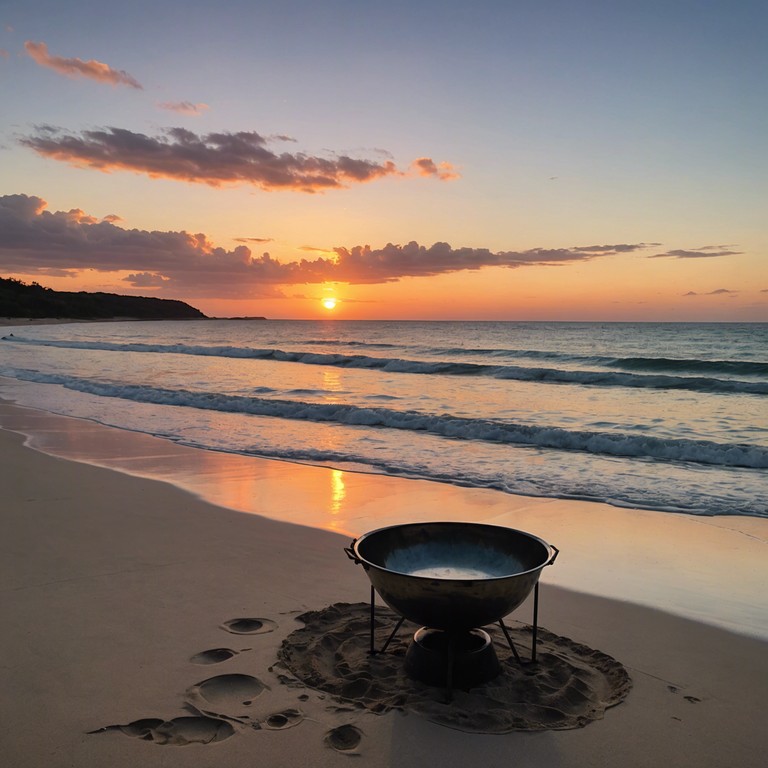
x=454, y=427
x=652, y=374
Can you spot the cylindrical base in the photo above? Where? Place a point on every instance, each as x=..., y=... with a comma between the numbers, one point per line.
x=452, y=659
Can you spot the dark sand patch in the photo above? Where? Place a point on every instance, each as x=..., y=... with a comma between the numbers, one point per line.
x=570, y=686
x=213, y=656
x=249, y=626
x=178, y=732
x=279, y=721
x=229, y=697
x=344, y=738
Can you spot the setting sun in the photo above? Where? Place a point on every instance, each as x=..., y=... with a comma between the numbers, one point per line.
x=329, y=303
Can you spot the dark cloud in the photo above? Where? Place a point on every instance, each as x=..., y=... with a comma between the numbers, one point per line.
x=36, y=241
x=91, y=69
x=184, y=107
x=253, y=239
x=707, y=252
x=214, y=159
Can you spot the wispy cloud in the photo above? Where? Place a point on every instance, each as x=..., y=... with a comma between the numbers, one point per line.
x=716, y=292
x=253, y=239
x=214, y=159
x=623, y=248
x=91, y=69
x=4, y=54
x=36, y=241
x=184, y=107
x=706, y=252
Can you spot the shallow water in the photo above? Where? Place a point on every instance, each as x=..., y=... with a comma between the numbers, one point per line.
x=671, y=417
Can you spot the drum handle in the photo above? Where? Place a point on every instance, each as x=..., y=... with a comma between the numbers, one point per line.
x=554, y=557
x=351, y=553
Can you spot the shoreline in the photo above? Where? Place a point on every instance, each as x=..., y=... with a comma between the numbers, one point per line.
x=113, y=583
x=13, y=322
x=708, y=569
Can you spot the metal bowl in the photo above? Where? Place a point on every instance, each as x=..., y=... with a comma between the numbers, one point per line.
x=452, y=576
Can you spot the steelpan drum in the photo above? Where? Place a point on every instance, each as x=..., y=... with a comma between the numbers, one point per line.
x=452, y=576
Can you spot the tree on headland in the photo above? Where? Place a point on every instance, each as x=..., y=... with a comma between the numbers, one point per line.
x=33, y=301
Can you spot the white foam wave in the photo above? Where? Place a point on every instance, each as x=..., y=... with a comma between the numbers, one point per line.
x=458, y=428
x=449, y=368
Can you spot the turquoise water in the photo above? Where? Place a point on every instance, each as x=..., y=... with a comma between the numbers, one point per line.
x=672, y=417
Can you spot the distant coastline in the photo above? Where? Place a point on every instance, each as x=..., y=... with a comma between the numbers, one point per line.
x=35, y=302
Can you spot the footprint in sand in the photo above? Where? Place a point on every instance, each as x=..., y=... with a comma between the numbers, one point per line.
x=345, y=738
x=227, y=696
x=279, y=721
x=249, y=626
x=213, y=656
x=177, y=732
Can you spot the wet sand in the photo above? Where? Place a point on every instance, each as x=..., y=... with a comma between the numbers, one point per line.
x=143, y=624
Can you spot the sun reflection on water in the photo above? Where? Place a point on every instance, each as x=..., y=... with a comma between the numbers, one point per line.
x=338, y=495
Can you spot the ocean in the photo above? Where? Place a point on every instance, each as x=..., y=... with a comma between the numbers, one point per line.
x=667, y=417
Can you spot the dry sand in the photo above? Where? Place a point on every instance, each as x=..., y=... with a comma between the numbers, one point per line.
x=126, y=601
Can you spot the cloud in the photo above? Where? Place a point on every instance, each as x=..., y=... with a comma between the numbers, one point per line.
x=706, y=252
x=717, y=292
x=362, y=264
x=184, y=107
x=214, y=159
x=92, y=69
x=146, y=280
x=426, y=166
x=622, y=248
x=112, y=218
x=253, y=239
x=34, y=240
x=4, y=54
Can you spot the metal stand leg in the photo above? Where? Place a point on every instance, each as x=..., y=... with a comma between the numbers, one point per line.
x=534, y=639
x=449, y=671
x=372, y=651
x=534, y=628
x=511, y=644
x=391, y=637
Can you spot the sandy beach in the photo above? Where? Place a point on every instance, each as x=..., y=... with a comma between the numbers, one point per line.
x=124, y=596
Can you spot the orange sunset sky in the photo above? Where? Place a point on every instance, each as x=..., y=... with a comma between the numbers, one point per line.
x=416, y=160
